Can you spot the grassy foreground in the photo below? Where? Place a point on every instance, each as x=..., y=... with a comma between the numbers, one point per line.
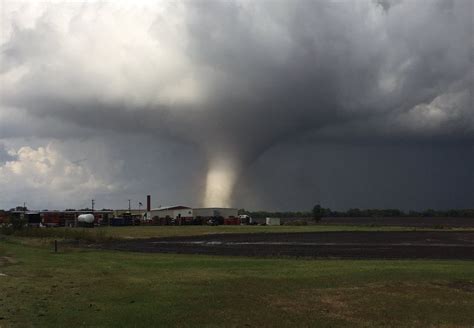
x=104, y=233
x=77, y=288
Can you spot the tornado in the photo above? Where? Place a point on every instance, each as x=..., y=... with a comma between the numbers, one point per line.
x=220, y=181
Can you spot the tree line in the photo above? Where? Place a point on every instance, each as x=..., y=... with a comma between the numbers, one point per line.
x=319, y=211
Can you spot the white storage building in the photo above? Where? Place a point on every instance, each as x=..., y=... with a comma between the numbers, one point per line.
x=173, y=212
x=272, y=221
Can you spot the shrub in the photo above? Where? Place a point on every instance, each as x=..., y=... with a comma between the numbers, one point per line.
x=6, y=229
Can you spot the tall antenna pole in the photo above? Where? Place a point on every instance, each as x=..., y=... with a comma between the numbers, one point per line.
x=129, y=207
x=93, y=203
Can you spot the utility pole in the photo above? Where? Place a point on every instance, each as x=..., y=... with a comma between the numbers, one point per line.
x=140, y=210
x=24, y=210
x=129, y=206
x=93, y=203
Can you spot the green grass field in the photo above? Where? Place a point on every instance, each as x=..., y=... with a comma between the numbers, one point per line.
x=102, y=233
x=85, y=288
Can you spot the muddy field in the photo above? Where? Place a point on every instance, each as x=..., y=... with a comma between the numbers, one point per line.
x=357, y=245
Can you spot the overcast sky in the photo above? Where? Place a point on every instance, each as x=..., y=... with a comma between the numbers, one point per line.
x=271, y=104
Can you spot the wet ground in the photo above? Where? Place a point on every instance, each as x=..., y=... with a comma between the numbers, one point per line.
x=356, y=245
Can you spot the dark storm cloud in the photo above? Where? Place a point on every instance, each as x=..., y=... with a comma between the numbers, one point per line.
x=295, y=64
x=338, y=69
x=340, y=175
x=266, y=73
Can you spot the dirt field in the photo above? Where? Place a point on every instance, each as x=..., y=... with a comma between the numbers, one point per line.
x=358, y=245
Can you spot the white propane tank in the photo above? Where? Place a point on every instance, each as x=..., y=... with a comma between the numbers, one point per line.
x=85, y=218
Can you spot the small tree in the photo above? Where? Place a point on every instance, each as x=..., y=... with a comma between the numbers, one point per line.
x=318, y=212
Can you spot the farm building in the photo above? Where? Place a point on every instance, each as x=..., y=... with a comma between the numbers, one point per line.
x=133, y=212
x=32, y=218
x=165, y=215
